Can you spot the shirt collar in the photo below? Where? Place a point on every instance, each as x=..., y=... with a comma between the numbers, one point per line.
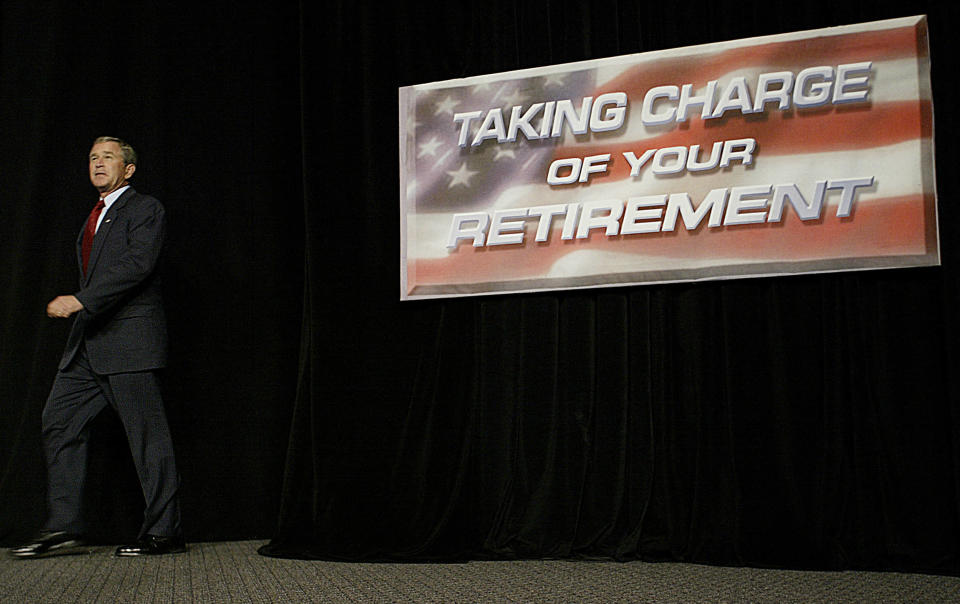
x=112, y=197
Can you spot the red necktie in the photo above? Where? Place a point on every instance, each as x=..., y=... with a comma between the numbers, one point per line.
x=89, y=232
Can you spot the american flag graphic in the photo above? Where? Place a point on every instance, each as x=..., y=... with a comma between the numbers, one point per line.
x=888, y=136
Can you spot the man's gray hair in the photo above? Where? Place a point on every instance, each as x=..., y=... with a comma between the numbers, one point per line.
x=129, y=155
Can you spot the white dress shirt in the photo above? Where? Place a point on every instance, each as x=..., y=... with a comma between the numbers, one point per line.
x=108, y=201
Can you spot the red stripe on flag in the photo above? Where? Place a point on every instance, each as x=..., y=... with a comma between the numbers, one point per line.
x=809, y=131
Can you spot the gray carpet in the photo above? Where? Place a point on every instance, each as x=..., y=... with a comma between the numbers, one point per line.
x=234, y=572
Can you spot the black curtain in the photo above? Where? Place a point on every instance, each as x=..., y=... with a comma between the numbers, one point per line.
x=803, y=421
x=208, y=96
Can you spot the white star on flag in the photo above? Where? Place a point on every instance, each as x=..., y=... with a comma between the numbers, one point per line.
x=514, y=98
x=446, y=106
x=554, y=79
x=429, y=148
x=461, y=176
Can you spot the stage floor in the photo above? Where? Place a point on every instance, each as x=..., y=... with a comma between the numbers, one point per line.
x=234, y=572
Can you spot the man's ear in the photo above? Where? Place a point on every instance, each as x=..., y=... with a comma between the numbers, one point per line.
x=128, y=171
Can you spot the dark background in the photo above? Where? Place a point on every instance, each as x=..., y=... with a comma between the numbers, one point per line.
x=807, y=421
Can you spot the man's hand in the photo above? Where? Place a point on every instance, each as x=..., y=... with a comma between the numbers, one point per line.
x=62, y=307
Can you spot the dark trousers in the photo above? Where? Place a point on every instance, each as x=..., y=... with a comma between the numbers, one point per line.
x=77, y=396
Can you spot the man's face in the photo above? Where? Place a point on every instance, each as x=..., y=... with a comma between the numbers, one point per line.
x=107, y=170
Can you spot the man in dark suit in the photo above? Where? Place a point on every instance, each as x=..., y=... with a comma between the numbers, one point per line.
x=117, y=343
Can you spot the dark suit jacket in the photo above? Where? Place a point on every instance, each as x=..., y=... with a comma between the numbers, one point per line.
x=122, y=324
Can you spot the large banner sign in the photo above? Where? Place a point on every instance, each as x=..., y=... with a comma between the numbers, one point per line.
x=795, y=153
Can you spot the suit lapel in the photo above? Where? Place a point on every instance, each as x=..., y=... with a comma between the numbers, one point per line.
x=105, y=225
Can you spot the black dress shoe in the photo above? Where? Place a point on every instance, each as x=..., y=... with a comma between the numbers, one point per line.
x=152, y=545
x=51, y=543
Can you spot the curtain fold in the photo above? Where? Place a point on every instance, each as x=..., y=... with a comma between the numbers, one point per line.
x=805, y=421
